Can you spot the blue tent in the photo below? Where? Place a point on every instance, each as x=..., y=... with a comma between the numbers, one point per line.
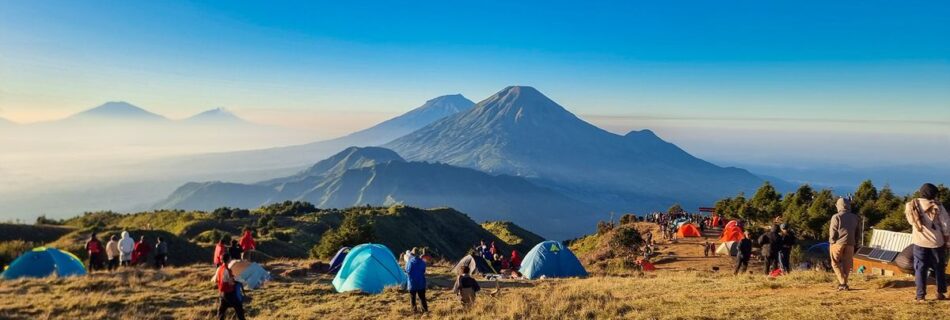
x=553, y=260
x=369, y=268
x=338, y=258
x=820, y=250
x=42, y=262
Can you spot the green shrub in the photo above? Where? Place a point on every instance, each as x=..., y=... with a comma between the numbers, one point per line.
x=10, y=250
x=211, y=236
x=354, y=230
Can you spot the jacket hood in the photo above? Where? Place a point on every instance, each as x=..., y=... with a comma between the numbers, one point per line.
x=125, y=234
x=843, y=205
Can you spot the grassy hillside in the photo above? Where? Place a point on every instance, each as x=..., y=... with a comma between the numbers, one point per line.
x=513, y=235
x=32, y=233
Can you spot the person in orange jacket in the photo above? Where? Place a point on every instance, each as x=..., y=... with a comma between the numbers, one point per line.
x=220, y=250
x=141, y=251
x=247, y=244
x=228, y=291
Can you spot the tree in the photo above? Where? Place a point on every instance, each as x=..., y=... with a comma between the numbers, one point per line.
x=819, y=214
x=892, y=210
x=796, y=206
x=355, y=229
x=675, y=209
x=765, y=204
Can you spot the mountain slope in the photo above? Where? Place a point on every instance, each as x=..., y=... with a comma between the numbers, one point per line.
x=376, y=176
x=116, y=110
x=520, y=131
x=235, y=165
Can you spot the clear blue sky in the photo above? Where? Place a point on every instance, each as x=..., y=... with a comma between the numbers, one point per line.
x=870, y=60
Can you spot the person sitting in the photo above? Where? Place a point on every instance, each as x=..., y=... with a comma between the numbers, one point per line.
x=466, y=287
x=515, y=260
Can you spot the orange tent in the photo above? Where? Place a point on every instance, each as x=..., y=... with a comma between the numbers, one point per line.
x=731, y=232
x=715, y=220
x=688, y=230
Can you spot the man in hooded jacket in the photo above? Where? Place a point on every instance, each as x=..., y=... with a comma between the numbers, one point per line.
x=771, y=246
x=126, y=245
x=844, y=232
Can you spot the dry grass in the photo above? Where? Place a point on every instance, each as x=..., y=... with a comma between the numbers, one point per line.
x=671, y=293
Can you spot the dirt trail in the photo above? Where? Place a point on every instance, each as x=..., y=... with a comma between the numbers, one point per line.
x=690, y=256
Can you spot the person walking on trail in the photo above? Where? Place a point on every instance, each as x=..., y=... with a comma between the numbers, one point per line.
x=930, y=226
x=234, y=251
x=228, y=291
x=247, y=245
x=466, y=287
x=112, y=251
x=744, y=254
x=220, y=250
x=161, y=253
x=95, y=250
x=416, y=269
x=844, y=230
x=787, y=239
x=126, y=245
x=140, y=252
x=770, y=249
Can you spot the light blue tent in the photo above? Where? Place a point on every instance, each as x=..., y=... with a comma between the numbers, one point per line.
x=369, y=268
x=551, y=259
x=42, y=262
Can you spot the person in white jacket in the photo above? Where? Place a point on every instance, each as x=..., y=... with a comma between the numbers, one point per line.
x=126, y=244
x=930, y=226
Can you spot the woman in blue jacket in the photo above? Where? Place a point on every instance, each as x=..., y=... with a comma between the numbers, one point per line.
x=416, y=268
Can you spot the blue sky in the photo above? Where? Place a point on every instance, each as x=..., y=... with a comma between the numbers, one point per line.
x=875, y=61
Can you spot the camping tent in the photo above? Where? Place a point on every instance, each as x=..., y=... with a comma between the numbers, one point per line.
x=369, y=268
x=731, y=248
x=551, y=259
x=732, y=232
x=476, y=264
x=41, y=262
x=715, y=220
x=688, y=230
x=337, y=260
x=679, y=222
x=818, y=252
x=251, y=274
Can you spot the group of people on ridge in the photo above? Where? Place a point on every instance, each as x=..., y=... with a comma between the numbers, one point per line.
x=123, y=252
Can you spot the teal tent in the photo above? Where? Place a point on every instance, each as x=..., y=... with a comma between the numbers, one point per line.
x=42, y=262
x=369, y=268
x=551, y=259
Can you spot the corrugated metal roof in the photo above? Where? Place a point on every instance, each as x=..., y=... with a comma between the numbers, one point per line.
x=890, y=240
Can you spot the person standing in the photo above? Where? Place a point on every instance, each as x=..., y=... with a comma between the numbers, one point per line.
x=416, y=269
x=515, y=260
x=466, y=287
x=770, y=249
x=228, y=291
x=141, y=251
x=95, y=250
x=126, y=245
x=844, y=230
x=235, y=252
x=112, y=251
x=743, y=254
x=220, y=250
x=930, y=226
x=161, y=253
x=247, y=245
x=787, y=239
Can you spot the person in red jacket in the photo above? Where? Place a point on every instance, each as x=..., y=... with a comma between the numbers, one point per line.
x=228, y=291
x=140, y=251
x=247, y=244
x=95, y=250
x=220, y=250
x=515, y=260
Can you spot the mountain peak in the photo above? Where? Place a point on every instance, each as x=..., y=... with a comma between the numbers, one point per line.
x=217, y=115
x=349, y=158
x=117, y=110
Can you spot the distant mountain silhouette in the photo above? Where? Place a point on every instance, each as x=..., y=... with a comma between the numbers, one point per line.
x=117, y=110
x=5, y=122
x=215, y=116
x=519, y=131
x=231, y=165
x=377, y=176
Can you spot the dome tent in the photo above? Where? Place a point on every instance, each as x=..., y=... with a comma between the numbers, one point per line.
x=688, y=230
x=369, y=268
x=476, y=265
x=732, y=232
x=42, y=262
x=553, y=260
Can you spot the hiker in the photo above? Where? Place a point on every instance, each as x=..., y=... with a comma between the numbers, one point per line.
x=787, y=239
x=161, y=253
x=515, y=260
x=228, y=291
x=140, y=252
x=706, y=247
x=416, y=269
x=220, y=250
x=930, y=226
x=485, y=251
x=247, y=245
x=770, y=249
x=112, y=251
x=744, y=253
x=496, y=262
x=466, y=287
x=95, y=250
x=234, y=251
x=126, y=245
x=844, y=230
